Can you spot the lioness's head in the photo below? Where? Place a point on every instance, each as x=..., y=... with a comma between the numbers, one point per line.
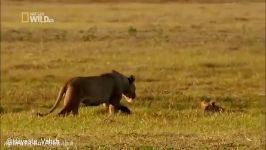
x=129, y=92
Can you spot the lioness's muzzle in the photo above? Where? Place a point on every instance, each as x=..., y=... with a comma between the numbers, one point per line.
x=128, y=99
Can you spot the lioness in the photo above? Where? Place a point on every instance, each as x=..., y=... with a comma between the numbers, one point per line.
x=94, y=90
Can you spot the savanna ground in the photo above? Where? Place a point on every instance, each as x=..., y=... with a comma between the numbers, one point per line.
x=180, y=53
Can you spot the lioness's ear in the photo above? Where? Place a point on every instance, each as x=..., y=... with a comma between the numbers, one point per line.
x=131, y=79
x=114, y=71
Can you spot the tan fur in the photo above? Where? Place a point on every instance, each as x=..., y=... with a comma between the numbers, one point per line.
x=211, y=107
x=94, y=90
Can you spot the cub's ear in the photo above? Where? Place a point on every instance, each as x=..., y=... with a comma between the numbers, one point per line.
x=212, y=103
x=131, y=79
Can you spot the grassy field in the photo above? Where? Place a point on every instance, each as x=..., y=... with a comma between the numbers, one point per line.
x=180, y=53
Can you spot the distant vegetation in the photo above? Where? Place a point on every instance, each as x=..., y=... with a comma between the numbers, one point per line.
x=180, y=53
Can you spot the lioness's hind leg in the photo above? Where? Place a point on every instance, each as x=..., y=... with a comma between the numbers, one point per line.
x=64, y=112
x=75, y=110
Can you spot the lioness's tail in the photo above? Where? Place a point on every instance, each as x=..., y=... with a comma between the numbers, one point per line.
x=59, y=97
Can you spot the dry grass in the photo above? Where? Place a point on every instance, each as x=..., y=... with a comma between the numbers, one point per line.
x=180, y=54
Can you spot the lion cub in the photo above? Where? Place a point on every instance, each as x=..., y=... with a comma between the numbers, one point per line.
x=211, y=107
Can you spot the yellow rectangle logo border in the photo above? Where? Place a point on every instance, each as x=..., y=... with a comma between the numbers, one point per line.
x=25, y=17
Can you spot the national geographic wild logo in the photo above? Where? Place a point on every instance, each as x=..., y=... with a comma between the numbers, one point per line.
x=35, y=17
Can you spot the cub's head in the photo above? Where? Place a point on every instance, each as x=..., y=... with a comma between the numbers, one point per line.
x=130, y=91
x=204, y=105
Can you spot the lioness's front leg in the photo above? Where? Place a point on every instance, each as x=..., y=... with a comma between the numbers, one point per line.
x=106, y=105
x=112, y=109
x=114, y=103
